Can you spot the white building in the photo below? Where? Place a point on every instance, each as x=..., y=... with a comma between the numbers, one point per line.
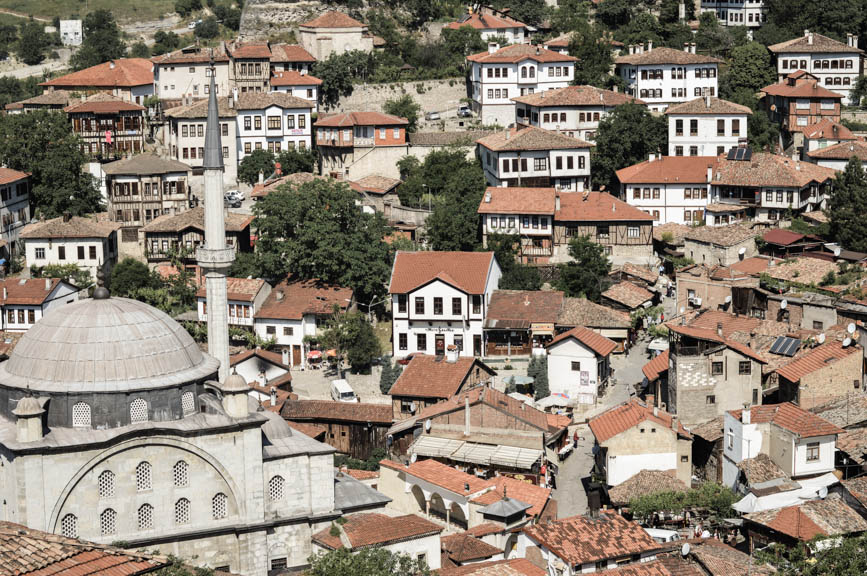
x=665, y=76
x=273, y=121
x=835, y=64
x=706, y=127
x=825, y=134
x=800, y=443
x=500, y=74
x=298, y=84
x=493, y=25
x=573, y=110
x=14, y=208
x=334, y=32
x=578, y=364
x=749, y=13
x=440, y=299
x=246, y=296
x=89, y=242
x=26, y=300
x=670, y=188
x=184, y=135
x=527, y=213
x=527, y=156
x=185, y=73
x=298, y=309
x=70, y=32
x=838, y=155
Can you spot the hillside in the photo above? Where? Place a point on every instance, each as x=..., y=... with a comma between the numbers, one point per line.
x=124, y=11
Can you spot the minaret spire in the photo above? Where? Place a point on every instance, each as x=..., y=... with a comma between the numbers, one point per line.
x=214, y=257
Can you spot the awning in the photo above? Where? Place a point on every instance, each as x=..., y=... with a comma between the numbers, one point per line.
x=542, y=328
x=314, y=354
x=435, y=447
x=473, y=453
x=515, y=457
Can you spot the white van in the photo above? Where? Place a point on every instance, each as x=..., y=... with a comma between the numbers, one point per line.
x=341, y=391
x=662, y=536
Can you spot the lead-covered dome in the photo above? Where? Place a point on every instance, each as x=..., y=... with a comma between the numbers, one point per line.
x=105, y=345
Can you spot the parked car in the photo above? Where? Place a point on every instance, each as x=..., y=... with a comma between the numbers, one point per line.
x=662, y=536
x=230, y=202
x=235, y=193
x=432, y=116
x=464, y=111
x=192, y=25
x=341, y=391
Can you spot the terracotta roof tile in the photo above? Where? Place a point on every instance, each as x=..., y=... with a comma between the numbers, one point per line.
x=199, y=109
x=711, y=431
x=145, y=165
x=443, y=476
x=123, y=72
x=802, y=90
x=294, y=78
x=77, y=227
x=482, y=21
x=291, y=299
x=653, y=369
x=791, y=417
x=577, y=96
x=627, y=415
x=803, y=270
x=536, y=496
x=841, y=151
x=514, y=567
x=433, y=377
x=360, y=119
x=192, y=55
x=580, y=539
x=333, y=19
x=761, y=468
x=677, y=231
x=370, y=530
x=467, y=271
x=828, y=129
x=828, y=517
x=485, y=529
x=770, y=170
x=290, y=53
x=375, y=184
x=665, y=55
x=296, y=179
x=754, y=266
x=857, y=487
x=813, y=44
x=465, y=548
x=712, y=336
x=668, y=169
x=521, y=138
x=699, y=106
x=782, y=237
x=849, y=410
x=817, y=359
x=517, y=309
x=329, y=410
x=730, y=235
x=720, y=559
x=597, y=207
x=195, y=218
x=593, y=340
x=262, y=100
x=256, y=50
x=27, y=291
x=361, y=474
x=8, y=175
x=52, y=98
x=629, y=294
x=102, y=103
x=647, y=273
x=583, y=312
x=244, y=289
x=515, y=200
x=312, y=430
x=519, y=52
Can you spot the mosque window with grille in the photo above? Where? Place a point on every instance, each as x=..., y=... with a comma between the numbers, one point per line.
x=145, y=517
x=69, y=526
x=220, y=506
x=181, y=473
x=81, y=415
x=143, y=476
x=138, y=410
x=275, y=488
x=108, y=522
x=188, y=403
x=182, y=511
x=106, y=484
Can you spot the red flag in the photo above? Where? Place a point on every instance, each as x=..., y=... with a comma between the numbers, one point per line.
x=108, y=136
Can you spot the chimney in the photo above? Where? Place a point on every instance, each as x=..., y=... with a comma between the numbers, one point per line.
x=692, y=48
x=231, y=101
x=111, y=64
x=681, y=11
x=261, y=177
x=616, y=89
x=649, y=45
x=493, y=47
x=273, y=396
x=466, y=414
x=556, y=202
x=651, y=157
x=67, y=217
x=235, y=95
x=285, y=355
x=641, y=48
x=650, y=399
x=719, y=329
x=487, y=197
x=709, y=174
x=48, y=284
x=656, y=411
x=707, y=100
x=452, y=353
x=854, y=40
x=686, y=46
x=809, y=37
x=5, y=294
x=674, y=422
x=746, y=417
x=632, y=48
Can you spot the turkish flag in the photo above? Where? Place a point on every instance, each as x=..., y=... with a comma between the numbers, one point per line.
x=108, y=136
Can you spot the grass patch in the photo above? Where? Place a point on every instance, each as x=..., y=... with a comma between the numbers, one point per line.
x=123, y=10
x=383, y=334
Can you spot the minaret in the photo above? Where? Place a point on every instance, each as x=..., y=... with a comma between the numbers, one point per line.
x=214, y=257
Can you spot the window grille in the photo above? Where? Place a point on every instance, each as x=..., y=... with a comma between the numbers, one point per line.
x=188, y=403
x=145, y=517
x=108, y=522
x=275, y=488
x=106, y=484
x=219, y=505
x=69, y=526
x=181, y=473
x=138, y=410
x=143, y=476
x=182, y=511
x=81, y=415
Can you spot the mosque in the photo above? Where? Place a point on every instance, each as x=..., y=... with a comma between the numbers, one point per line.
x=116, y=428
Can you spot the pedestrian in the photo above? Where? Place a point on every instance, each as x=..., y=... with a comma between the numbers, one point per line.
x=575, y=439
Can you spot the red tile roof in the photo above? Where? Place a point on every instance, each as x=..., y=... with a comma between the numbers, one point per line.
x=581, y=539
x=7, y=175
x=467, y=271
x=521, y=138
x=536, y=496
x=260, y=190
x=753, y=266
x=857, y=487
x=712, y=336
x=621, y=418
x=817, y=359
x=465, y=548
x=514, y=567
x=653, y=369
x=290, y=53
x=665, y=55
x=791, y=417
x=828, y=517
x=629, y=294
x=271, y=357
x=593, y=340
x=699, y=106
x=518, y=200
x=371, y=530
x=802, y=90
x=433, y=377
x=841, y=151
x=121, y=73
x=441, y=475
x=482, y=21
x=361, y=474
x=597, y=207
x=331, y=411
x=249, y=50
x=828, y=129
x=813, y=44
x=772, y=170
x=294, y=78
x=645, y=483
x=312, y=430
x=244, y=289
x=102, y=103
x=333, y=19
x=712, y=319
x=291, y=299
x=360, y=119
x=576, y=96
x=668, y=170
x=519, y=52
x=782, y=237
x=518, y=309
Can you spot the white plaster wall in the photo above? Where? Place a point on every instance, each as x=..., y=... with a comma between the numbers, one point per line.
x=562, y=379
x=826, y=456
x=623, y=467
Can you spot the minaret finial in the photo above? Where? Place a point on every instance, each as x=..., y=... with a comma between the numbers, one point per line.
x=213, y=145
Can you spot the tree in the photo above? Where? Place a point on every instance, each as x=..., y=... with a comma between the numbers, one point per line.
x=848, y=205
x=391, y=371
x=404, y=107
x=538, y=371
x=42, y=143
x=230, y=17
x=531, y=12
x=258, y=161
x=461, y=42
x=594, y=55
x=336, y=79
x=139, y=50
x=177, y=567
x=625, y=137
x=315, y=230
x=569, y=15
x=454, y=222
x=615, y=13
x=165, y=42
x=353, y=336
x=207, y=28
x=71, y=273
x=859, y=91
x=587, y=273
x=642, y=27
x=102, y=41
x=516, y=276
x=187, y=7
x=750, y=69
x=296, y=160
x=32, y=42
x=13, y=89
x=366, y=562
x=130, y=275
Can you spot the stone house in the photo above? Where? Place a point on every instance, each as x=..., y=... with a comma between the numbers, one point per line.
x=721, y=245
x=798, y=101
x=710, y=287
x=343, y=139
x=826, y=373
x=578, y=364
x=628, y=296
x=807, y=310
x=798, y=524
x=335, y=32
x=636, y=436
x=613, y=324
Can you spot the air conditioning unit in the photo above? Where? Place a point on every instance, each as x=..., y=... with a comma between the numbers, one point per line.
x=695, y=301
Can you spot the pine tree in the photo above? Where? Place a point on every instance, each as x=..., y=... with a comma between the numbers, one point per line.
x=848, y=205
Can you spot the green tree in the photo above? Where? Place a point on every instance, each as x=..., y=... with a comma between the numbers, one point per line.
x=615, y=13
x=139, y=50
x=102, y=41
x=336, y=77
x=297, y=160
x=625, y=137
x=187, y=7
x=516, y=276
x=130, y=275
x=404, y=107
x=43, y=144
x=315, y=230
x=749, y=69
x=367, y=562
x=531, y=12
x=587, y=273
x=258, y=161
x=177, y=567
x=463, y=41
x=390, y=373
x=13, y=89
x=71, y=273
x=848, y=205
x=32, y=42
x=353, y=337
x=642, y=27
x=712, y=37
x=207, y=28
x=593, y=51
x=165, y=42
x=228, y=16
x=859, y=91
x=538, y=371
x=569, y=15
x=454, y=222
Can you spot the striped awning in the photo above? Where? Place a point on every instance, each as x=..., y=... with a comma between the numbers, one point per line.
x=473, y=453
x=434, y=447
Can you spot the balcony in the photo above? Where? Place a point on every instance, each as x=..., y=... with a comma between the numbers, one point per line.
x=364, y=142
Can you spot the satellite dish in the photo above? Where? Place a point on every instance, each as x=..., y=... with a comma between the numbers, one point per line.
x=783, y=304
x=846, y=342
x=821, y=338
x=728, y=299
x=427, y=425
x=823, y=492
x=850, y=328
x=684, y=550
x=742, y=250
x=837, y=252
x=682, y=310
x=413, y=458
x=412, y=407
x=389, y=440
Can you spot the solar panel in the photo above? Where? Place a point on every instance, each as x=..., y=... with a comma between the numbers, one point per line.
x=744, y=154
x=785, y=346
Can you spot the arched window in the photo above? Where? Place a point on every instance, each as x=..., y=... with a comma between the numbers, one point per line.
x=562, y=117
x=188, y=403
x=106, y=484
x=181, y=473
x=182, y=511
x=275, y=488
x=145, y=517
x=108, y=522
x=69, y=526
x=846, y=81
x=838, y=81
x=81, y=415
x=138, y=410
x=532, y=71
x=143, y=476
x=219, y=505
